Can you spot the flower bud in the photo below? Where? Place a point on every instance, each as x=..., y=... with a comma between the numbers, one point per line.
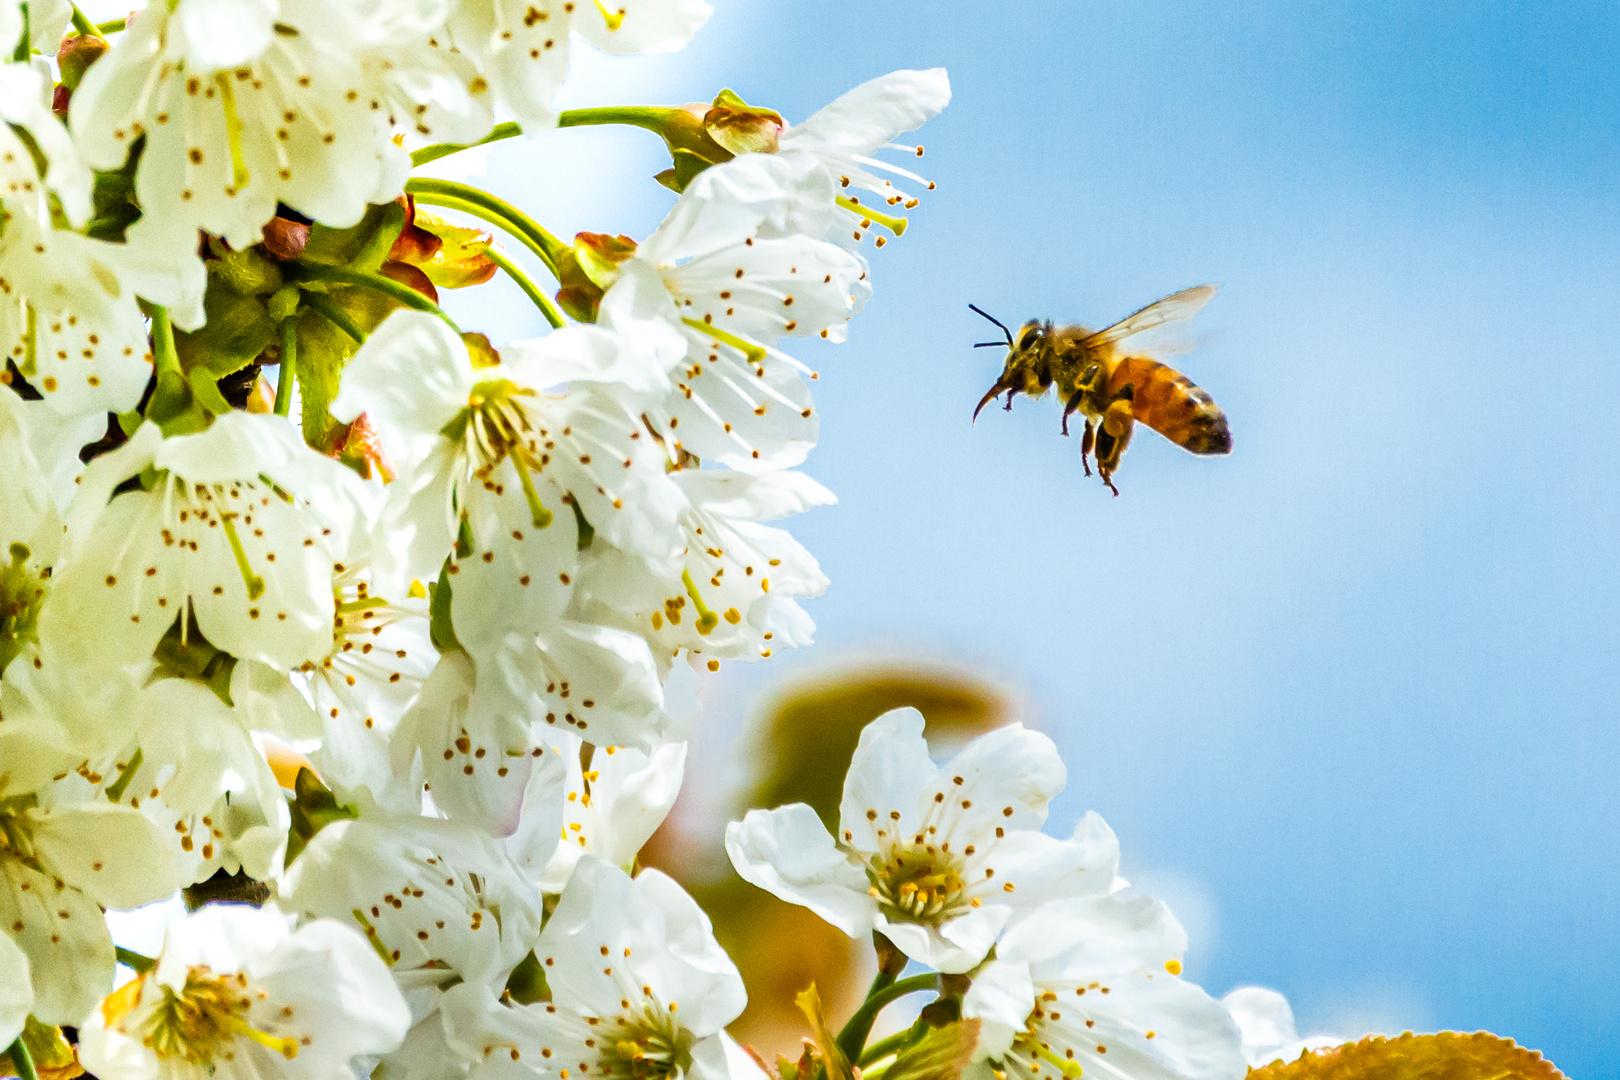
x=740, y=127
x=588, y=270
x=76, y=55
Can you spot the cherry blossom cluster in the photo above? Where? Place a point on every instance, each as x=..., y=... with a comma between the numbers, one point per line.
x=315, y=601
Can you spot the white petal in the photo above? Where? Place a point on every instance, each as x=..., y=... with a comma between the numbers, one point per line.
x=1092, y=936
x=70, y=954
x=789, y=853
x=886, y=775
x=954, y=946
x=1009, y=775
x=647, y=26
x=1001, y=998
x=225, y=33
x=16, y=991
x=873, y=113
x=116, y=856
x=410, y=378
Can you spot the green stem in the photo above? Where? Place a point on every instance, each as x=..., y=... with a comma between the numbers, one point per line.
x=493, y=209
x=852, y=1039
x=376, y=283
x=323, y=306
x=650, y=117
x=893, y=1045
x=83, y=25
x=530, y=289
x=436, y=151
x=111, y=26
x=134, y=960
x=289, y=365
x=21, y=1061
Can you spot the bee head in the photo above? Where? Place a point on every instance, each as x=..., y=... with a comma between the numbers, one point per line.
x=1026, y=371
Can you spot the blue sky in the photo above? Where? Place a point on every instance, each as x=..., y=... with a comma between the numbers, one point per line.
x=1349, y=695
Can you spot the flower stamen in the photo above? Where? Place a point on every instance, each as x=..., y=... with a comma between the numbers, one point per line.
x=255, y=583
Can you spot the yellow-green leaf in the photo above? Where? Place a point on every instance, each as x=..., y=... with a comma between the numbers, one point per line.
x=1446, y=1056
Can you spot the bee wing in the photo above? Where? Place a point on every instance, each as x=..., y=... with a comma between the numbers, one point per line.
x=1159, y=315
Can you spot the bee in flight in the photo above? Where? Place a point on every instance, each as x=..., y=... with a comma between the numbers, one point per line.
x=1111, y=377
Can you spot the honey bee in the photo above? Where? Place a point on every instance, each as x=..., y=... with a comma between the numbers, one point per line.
x=1111, y=378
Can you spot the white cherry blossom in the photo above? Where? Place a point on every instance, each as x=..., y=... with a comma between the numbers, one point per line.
x=227, y=532
x=522, y=46
x=639, y=988
x=938, y=858
x=238, y=994
x=1091, y=986
x=733, y=293
x=439, y=900
x=735, y=597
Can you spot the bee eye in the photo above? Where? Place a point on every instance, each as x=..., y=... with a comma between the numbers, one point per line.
x=1027, y=339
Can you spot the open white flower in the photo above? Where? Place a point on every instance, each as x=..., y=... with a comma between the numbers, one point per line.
x=1091, y=986
x=1267, y=1025
x=611, y=809
x=61, y=861
x=227, y=532
x=238, y=994
x=735, y=596
x=639, y=988
x=68, y=318
x=493, y=447
x=938, y=858
x=522, y=46
x=733, y=294
x=442, y=902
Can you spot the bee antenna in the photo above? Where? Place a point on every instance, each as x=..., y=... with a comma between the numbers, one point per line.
x=987, y=344
x=998, y=322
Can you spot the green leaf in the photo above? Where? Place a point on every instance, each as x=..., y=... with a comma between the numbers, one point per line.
x=1446, y=1056
x=53, y=1056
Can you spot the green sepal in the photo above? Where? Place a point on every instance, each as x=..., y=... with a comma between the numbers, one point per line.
x=363, y=246
x=195, y=659
x=527, y=983
x=113, y=208
x=313, y=808
x=441, y=630
x=687, y=166
x=587, y=531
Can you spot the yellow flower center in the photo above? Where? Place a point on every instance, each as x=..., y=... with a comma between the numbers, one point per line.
x=202, y=1022
x=917, y=882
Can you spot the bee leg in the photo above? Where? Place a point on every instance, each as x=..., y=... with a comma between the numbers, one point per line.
x=1109, y=480
x=1086, y=439
x=1010, y=395
x=1068, y=409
